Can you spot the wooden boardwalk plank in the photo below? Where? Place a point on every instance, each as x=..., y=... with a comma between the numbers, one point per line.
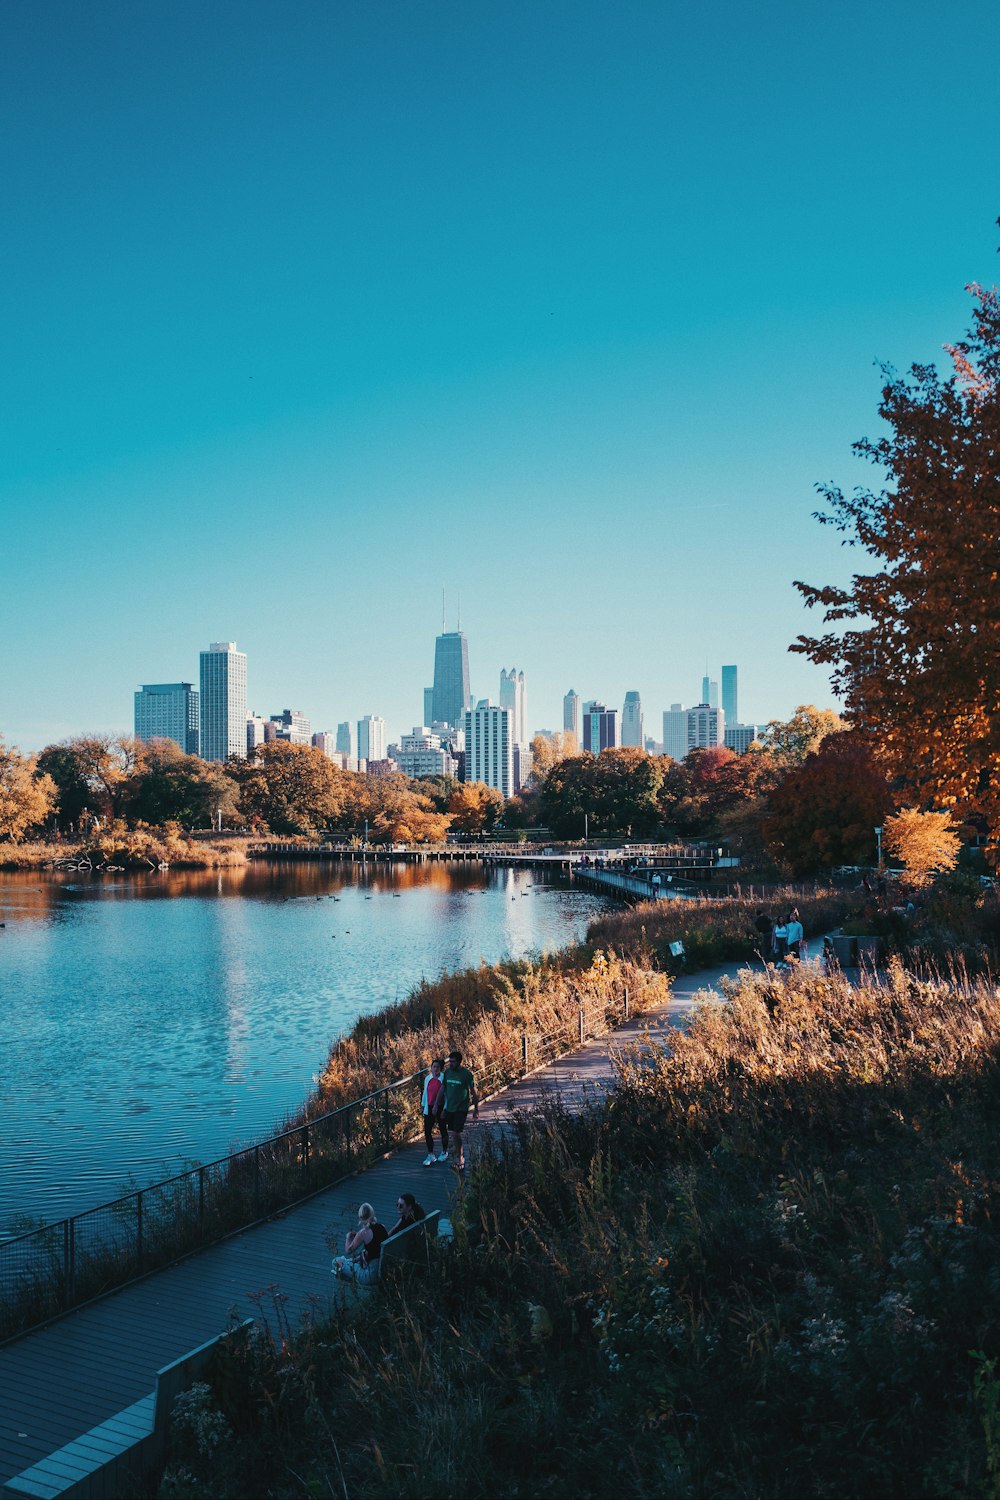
x=57, y=1382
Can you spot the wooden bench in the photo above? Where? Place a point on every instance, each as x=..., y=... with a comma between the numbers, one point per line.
x=411, y=1247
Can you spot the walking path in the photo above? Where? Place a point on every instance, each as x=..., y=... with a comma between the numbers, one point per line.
x=60, y=1381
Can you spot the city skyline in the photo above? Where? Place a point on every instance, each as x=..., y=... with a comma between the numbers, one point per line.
x=303, y=320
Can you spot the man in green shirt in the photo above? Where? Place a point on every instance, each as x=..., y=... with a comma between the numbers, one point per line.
x=459, y=1093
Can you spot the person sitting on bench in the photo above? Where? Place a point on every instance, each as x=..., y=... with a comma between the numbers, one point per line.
x=410, y=1213
x=362, y=1249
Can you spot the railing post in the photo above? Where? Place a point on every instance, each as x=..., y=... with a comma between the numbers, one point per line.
x=385, y=1116
x=582, y=1025
x=347, y=1130
x=138, y=1231
x=524, y=1052
x=256, y=1182
x=305, y=1153
x=67, y=1262
x=625, y=1003
x=201, y=1197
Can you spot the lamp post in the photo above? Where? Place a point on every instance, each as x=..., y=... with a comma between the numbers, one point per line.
x=878, y=840
x=585, y=821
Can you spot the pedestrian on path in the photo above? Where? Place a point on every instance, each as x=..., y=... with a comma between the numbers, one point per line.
x=432, y=1109
x=794, y=936
x=779, y=939
x=361, y=1260
x=459, y=1093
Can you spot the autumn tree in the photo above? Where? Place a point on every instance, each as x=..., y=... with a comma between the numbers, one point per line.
x=475, y=808
x=27, y=796
x=825, y=811
x=925, y=841
x=919, y=662
x=395, y=809
x=93, y=772
x=290, y=788
x=73, y=794
x=789, y=741
x=548, y=750
x=170, y=786
x=616, y=792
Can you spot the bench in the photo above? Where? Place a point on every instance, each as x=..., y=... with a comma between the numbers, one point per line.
x=410, y=1247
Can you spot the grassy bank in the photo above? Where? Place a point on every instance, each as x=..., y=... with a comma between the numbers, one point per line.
x=767, y=1267
x=716, y=931
x=138, y=849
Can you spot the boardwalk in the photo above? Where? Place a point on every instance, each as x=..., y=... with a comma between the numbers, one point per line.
x=59, y=1381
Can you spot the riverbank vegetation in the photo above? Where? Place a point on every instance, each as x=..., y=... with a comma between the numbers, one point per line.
x=765, y=1266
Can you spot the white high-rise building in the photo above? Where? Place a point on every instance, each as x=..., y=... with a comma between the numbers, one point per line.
x=740, y=737
x=489, y=746
x=632, y=721
x=371, y=738
x=513, y=696
x=675, y=731
x=706, y=726
x=256, y=732
x=223, y=701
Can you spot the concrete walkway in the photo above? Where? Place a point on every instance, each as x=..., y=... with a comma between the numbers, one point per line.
x=60, y=1381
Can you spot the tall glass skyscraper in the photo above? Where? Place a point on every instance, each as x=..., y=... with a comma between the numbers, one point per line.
x=223, y=701
x=729, y=695
x=168, y=711
x=452, y=696
x=632, y=722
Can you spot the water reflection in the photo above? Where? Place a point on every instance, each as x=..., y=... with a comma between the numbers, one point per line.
x=170, y=1016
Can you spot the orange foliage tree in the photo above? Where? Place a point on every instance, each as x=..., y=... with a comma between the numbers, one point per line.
x=924, y=841
x=921, y=668
x=825, y=812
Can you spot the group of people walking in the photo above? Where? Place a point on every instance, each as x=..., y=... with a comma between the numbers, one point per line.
x=448, y=1095
x=782, y=937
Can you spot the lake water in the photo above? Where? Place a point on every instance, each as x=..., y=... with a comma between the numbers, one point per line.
x=155, y=1020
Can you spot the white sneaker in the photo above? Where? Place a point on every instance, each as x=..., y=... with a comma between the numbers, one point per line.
x=429, y=1160
x=442, y=1156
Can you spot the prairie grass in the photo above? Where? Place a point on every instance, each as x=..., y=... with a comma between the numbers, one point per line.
x=715, y=930
x=765, y=1266
x=135, y=848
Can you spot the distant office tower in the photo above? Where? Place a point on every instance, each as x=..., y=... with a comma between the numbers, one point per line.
x=168, y=711
x=256, y=732
x=706, y=726
x=524, y=762
x=345, y=738
x=291, y=725
x=740, y=737
x=729, y=695
x=223, y=701
x=489, y=748
x=710, y=692
x=651, y=746
x=571, y=714
x=632, y=722
x=600, y=728
x=675, y=731
x=423, y=753
x=452, y=696
x=428, y=706
x=513, y=696
x=371, y=738
x=326, y=742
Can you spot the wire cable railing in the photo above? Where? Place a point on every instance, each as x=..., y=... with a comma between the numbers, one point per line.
x=48, y=1271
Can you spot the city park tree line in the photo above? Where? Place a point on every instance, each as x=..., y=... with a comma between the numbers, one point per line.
x=914, y=651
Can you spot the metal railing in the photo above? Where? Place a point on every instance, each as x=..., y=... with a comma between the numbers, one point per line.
x=48, y=1271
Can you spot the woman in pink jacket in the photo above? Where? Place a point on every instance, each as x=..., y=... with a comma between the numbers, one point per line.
x=432, y=1109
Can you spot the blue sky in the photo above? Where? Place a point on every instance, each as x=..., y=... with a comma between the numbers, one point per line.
x=310, y=311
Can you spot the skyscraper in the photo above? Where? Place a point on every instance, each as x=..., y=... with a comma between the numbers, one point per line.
x=452, y=696
x=571, y=714
x=710, y=692
x=600, y=728
x=223, y=701
x=675, y=731
x=489, y=749
x=729, y=695
x=345, y=738
x=292, y=725
x=168, y=711
x=632, y=735
x=513, y=696
x=706, y=726
x=371, y=738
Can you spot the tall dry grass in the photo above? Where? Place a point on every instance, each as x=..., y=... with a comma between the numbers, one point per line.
x=766, y=1266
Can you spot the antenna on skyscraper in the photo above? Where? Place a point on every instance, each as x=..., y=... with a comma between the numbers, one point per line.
x=458, y=622
x=444, y=623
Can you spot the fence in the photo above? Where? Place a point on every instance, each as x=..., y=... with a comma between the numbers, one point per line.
x=47, y=1271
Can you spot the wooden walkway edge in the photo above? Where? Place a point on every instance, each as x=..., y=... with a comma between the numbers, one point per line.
x=59, y=1381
